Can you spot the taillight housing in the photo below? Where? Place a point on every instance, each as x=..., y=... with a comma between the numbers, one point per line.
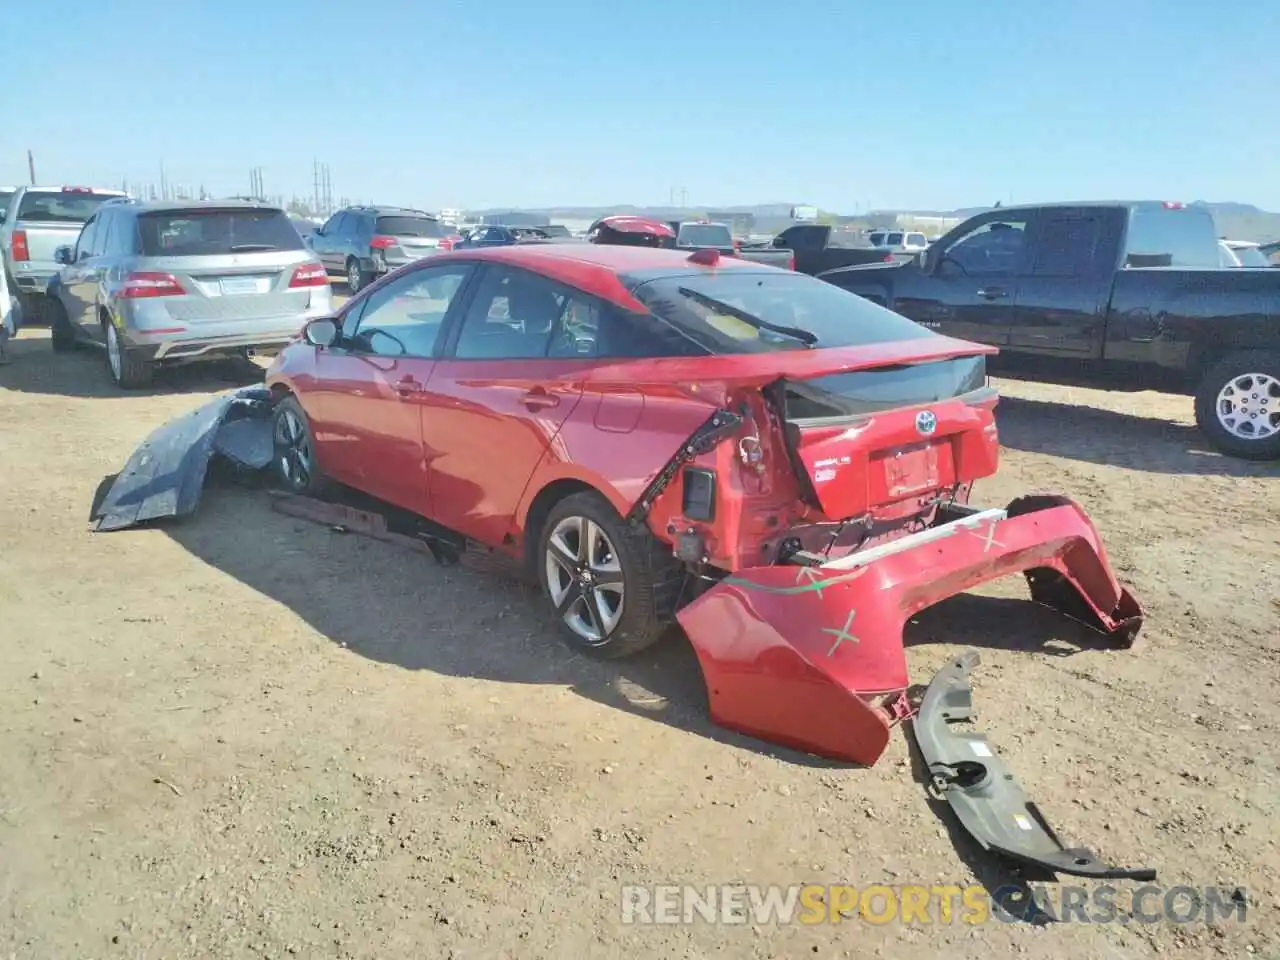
x=382, y=243
x=791, y=261
x=309, y=275
x=448, y=243
x=143, y=285
x=19, y=250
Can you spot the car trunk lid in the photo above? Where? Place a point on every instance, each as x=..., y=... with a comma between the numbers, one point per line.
x=875, y=437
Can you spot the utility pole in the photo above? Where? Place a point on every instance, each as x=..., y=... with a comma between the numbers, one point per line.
x=31, y=167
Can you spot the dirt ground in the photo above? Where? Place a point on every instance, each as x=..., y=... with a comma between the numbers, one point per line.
x=246, y=735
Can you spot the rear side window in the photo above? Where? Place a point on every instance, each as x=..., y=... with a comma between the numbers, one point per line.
x=877, y=239
x=59, y=207
x=409, y=227
x=747, y=312
x=5, y=195
x=1067, y=247
x=895, y=240
x=1172, y=237
x=204, y=233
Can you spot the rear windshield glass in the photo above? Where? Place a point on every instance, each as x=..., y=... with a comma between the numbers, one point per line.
x=732, y=312
x=410, y=227
x=1251, y=257
x=885, y=388
x=917, y=239
x=1178, y=237
x=705, y=235
x=202, y=233
x=60, y=207
x=556, y=230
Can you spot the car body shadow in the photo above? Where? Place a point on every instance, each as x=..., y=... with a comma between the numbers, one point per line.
x=396, y=606
x=1109, y=438
x=34, y=368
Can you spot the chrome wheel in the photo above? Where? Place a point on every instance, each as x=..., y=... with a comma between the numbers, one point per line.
x=113, y=350
x=584, y=578
x=293, y=450
x=1248, y=406
x=353, y=276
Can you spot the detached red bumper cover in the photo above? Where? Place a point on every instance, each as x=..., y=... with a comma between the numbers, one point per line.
x=812, y=657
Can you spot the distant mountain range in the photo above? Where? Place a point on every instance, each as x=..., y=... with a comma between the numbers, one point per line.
x=1238, y=221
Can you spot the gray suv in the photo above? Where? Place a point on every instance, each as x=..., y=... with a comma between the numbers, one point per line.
x=363, y=243
x=179, y=281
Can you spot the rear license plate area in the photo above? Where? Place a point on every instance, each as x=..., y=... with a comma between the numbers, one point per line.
x=242, y=286
x=912, y=469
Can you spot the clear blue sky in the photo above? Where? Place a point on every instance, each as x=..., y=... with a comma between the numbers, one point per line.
x=846, y=104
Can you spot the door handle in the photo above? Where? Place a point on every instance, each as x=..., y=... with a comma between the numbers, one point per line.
x=992, y=293
x=407, y=387
x=539, y=399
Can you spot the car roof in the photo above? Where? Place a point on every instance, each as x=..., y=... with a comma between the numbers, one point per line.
x=381, y=211
x=181, y=206
x=598, y=268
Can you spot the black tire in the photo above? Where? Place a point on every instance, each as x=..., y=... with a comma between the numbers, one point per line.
x=650, y=577
x=357, y=276
x=133, y=372
x=63, y=333
x=1263, y=404
x=294, y=459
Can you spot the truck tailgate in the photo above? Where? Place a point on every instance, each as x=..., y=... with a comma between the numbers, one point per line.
x=44, y=238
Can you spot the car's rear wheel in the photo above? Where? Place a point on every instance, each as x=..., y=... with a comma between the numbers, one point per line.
x=613, y=588
x=128, y=370
x=357, y=279
x=62, y=332
x=1238, y=405
x=294, y=445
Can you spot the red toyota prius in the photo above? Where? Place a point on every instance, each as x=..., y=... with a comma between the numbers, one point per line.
x=639, y=427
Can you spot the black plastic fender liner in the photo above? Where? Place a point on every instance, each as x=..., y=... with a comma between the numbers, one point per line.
x=165, y=475
x=982, y=792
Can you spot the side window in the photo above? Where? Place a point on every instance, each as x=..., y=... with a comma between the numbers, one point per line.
x=330, y=226
x=994, y=248
x=1067, y=246
x=359, y=226
x=404, y=318
x=103, y=244
x=124, y=239
x=520, y=316
x=87, y=238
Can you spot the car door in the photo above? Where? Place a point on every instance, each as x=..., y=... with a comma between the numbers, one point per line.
x=77, y=278
x=509, y=378
x=325, y=240
x=970, y=285
x=1061, y=304
x=365, y=402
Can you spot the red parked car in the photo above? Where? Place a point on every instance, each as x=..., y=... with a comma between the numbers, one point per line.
x=656, y=435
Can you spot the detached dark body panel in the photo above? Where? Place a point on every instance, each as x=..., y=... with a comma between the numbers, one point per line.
x=984, y=796
x=165, y=475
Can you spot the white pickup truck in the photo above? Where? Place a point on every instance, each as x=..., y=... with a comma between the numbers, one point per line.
x=36, y=222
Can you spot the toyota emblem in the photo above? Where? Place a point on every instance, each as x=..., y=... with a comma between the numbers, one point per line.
x=926, y=422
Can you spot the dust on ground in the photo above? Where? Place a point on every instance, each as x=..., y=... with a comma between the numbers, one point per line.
x=248, y=736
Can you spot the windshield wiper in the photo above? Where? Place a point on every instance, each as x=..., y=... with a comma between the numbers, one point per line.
x=243, y=247
x=807, y=337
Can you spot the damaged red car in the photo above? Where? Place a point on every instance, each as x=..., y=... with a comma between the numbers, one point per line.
x=778, y=464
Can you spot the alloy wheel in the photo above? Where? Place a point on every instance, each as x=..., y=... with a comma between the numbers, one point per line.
x=584, y=578
x=1248, y=406
x=293, y=450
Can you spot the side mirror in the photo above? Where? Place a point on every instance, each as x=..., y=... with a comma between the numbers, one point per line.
x=63, y=255
x=321, y=333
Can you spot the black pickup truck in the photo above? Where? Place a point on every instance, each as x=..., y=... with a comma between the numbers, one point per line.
x=1117, y=292
x=814, y=251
